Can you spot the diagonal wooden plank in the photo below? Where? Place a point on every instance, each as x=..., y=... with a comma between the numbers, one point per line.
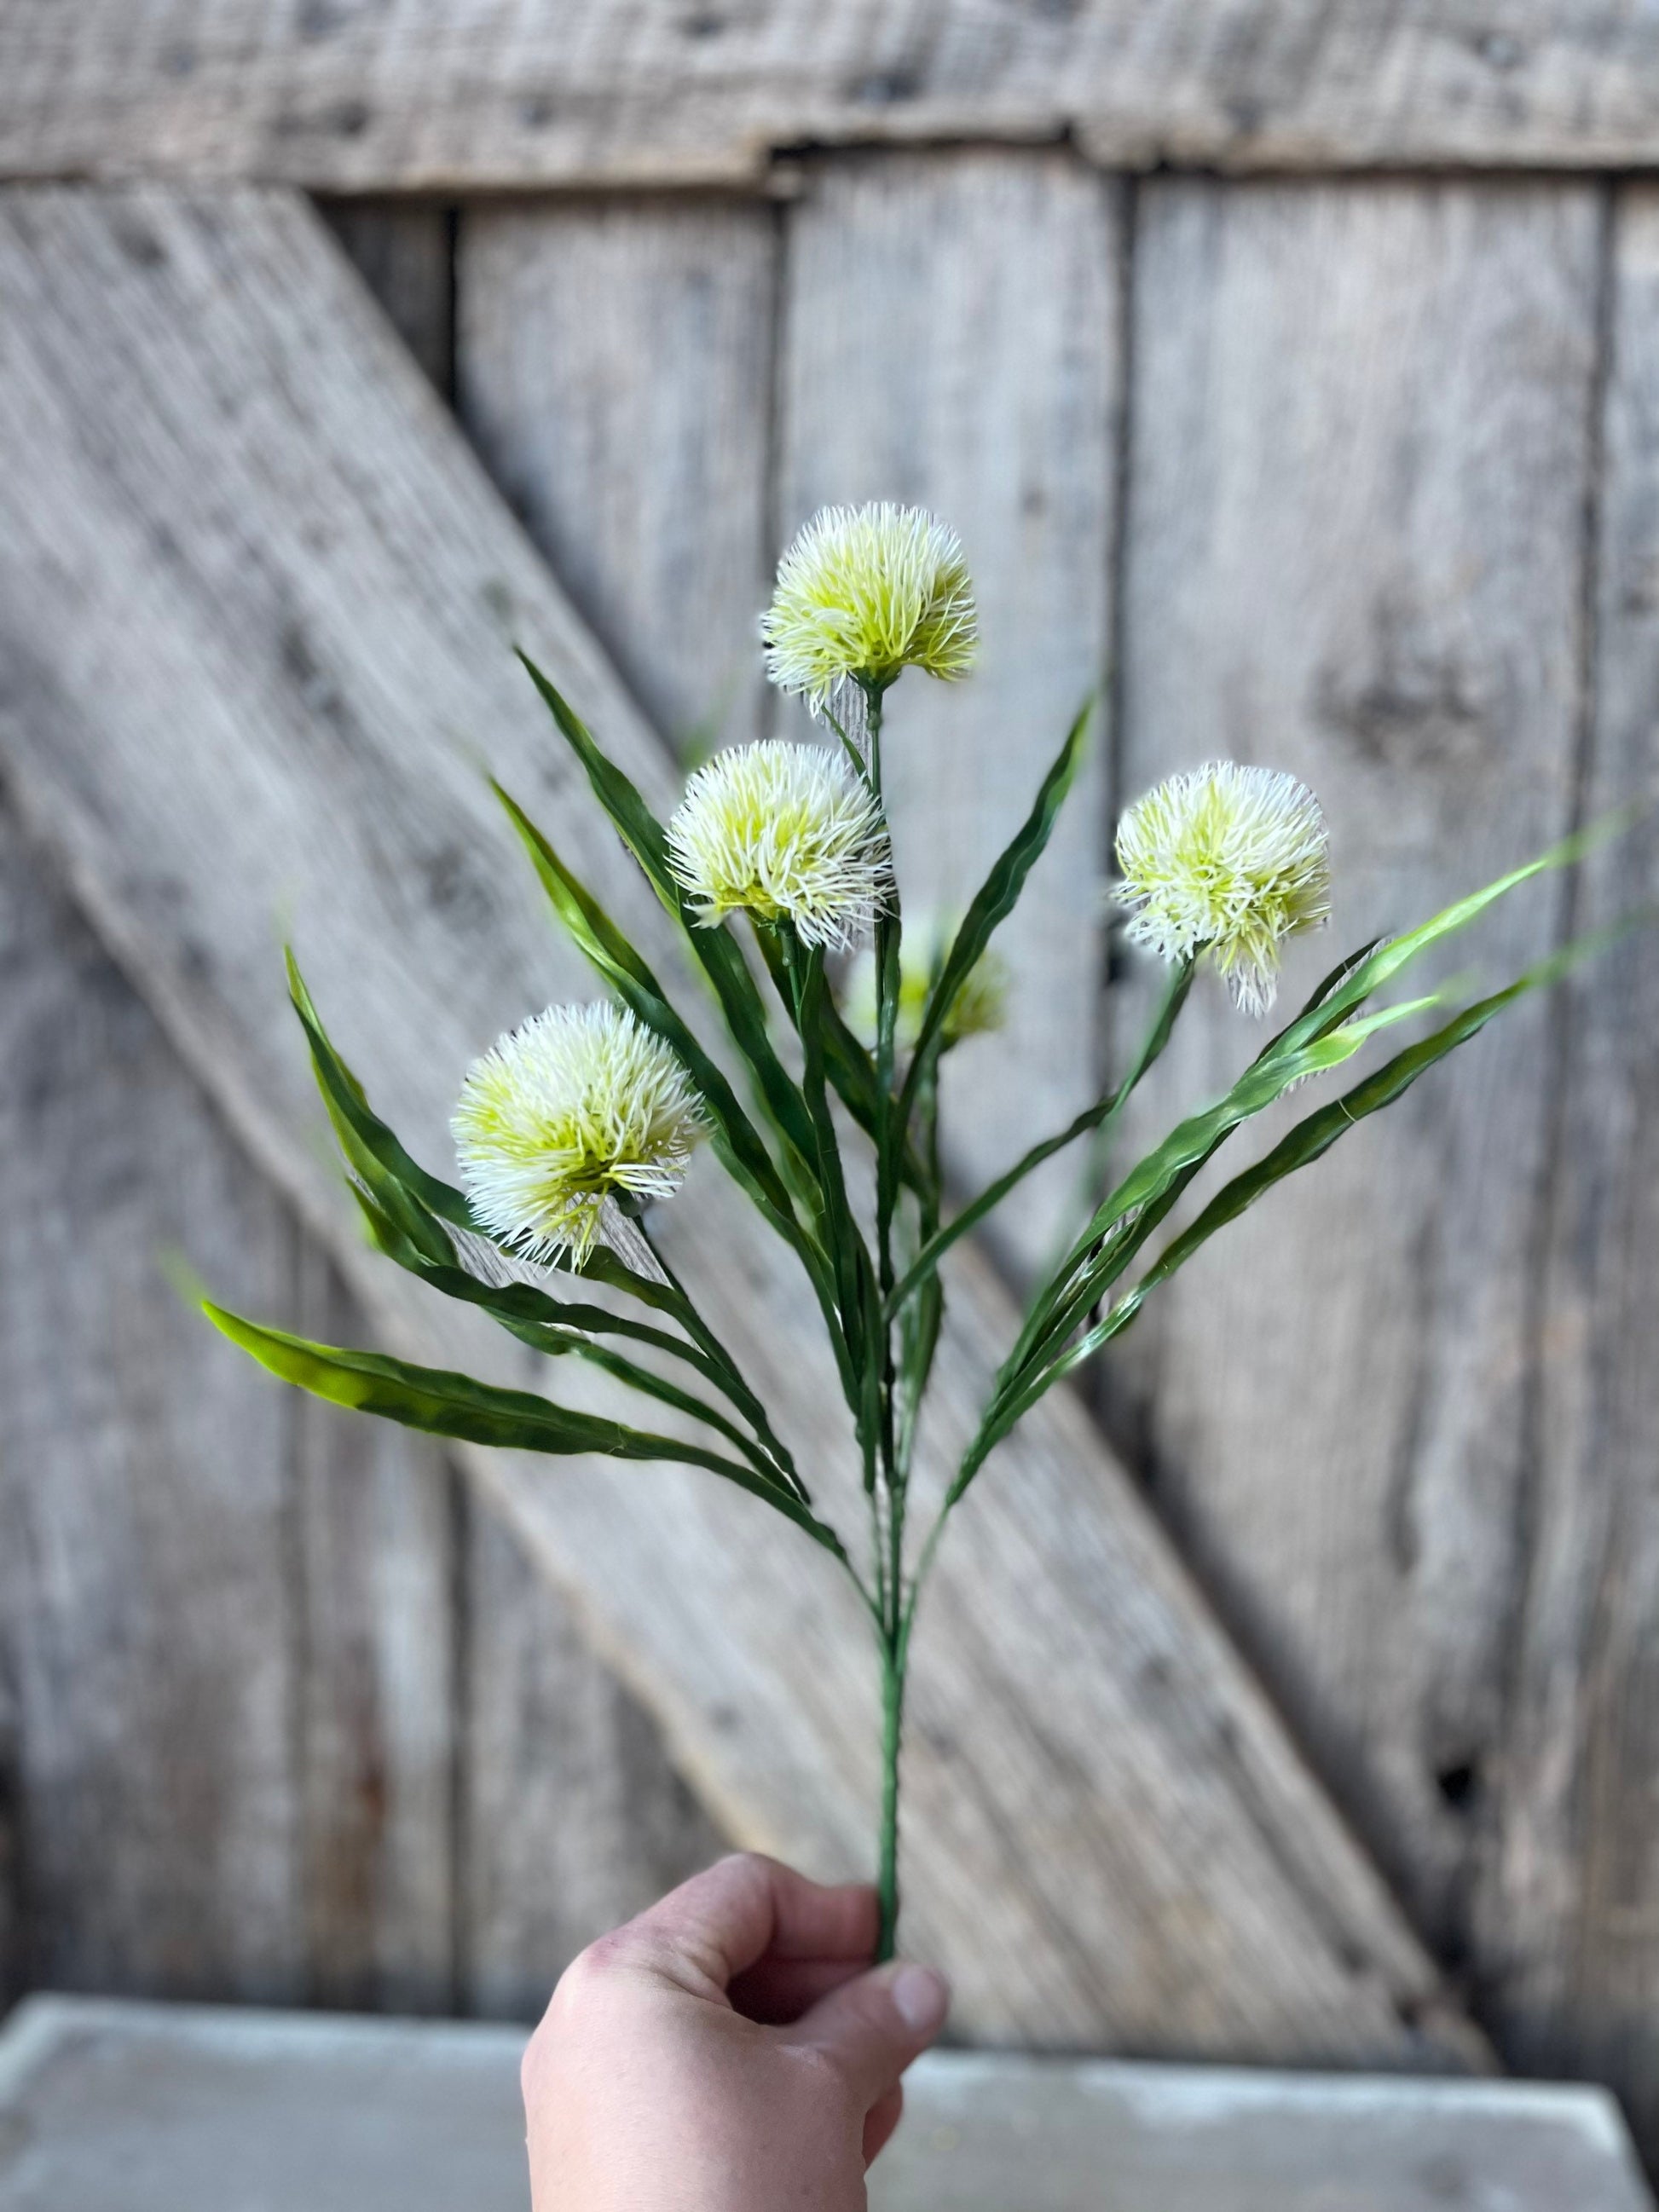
x=472, y=94
x=614, y=369
x=252, y=652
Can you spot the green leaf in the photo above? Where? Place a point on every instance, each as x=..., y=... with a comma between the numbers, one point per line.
x=847, y=1061
x=854, y=1278
x=1146, y=1194
x=1307, y=1141
x=1314, y=1135
x=561, y=1329
x=716, y=950
x=995, y=900
x=1156, y=1183
x=1354, y=981
x=635, y=824
x=449, y=1405
x=608, y=951
x=1298, y=1049
x=520, y=1306
x=1100, y=1115
x=370, y=1146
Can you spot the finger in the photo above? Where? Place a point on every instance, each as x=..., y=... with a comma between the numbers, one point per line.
x=719, y=1923
x=879, y=2122
x=776, y=1992
x=873, y=2027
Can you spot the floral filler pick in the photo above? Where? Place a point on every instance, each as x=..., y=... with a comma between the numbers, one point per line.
x=571, y=1127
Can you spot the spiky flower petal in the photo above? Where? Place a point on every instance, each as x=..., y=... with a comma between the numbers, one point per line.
x=980, y=1005
x=577, y=1105
x=783, y=831
x=864, y=592
x=1227, y=860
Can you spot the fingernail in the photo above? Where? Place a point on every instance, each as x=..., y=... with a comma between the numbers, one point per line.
x=921, y=1998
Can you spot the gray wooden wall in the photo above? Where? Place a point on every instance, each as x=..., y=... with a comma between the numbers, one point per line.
x=1357, y=476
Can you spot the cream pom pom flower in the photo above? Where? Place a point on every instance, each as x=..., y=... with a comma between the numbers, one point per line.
x=1227, y=860
x=577, y=1105
x=980, y=1005
x=864, y=592
x=783, y=831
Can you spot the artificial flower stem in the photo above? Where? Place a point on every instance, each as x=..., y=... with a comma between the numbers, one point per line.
x=893, y=1657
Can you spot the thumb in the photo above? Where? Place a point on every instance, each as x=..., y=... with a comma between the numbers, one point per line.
x=873, y=2027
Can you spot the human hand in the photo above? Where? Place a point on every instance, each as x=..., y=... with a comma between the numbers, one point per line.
x=729, y=2050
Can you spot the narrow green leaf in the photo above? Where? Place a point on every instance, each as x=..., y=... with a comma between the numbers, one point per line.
x=370, y=1143
x=1101, y=1115
x=1147, y=1193
x=451, y=1404
x=609, y=952
x=1307, y=1141
x=561, y=1329
x=995, y=900
x=716, y=950
x=855, y=1277
x=635, y=824
x=1314, y=1135
x=519, y=1306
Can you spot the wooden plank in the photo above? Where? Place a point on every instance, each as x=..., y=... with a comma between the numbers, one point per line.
x=404, y=250
x=14, y=1926
x=375, y=1662
x=290, y=583
x=475, y=96
x=1568, y=1905
x=572, y=1820
x=615, y=370
x=1362, y=448
x=143, y=1506
x=952, y=340
x=569, y=1816
x=134, y=2108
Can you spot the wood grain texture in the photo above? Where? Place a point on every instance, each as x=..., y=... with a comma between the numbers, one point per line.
x=951, y=339
x=404, y=250
x=290, y=584
x=573, y=1822
x=1569, y=1905
x=615, y=372
x=433, y=94
x=1362, y=449
x=375, y=1675
x=567, y=1816
x=143, y=1504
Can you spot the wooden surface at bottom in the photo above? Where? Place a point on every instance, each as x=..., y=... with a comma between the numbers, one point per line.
x=106, y=2107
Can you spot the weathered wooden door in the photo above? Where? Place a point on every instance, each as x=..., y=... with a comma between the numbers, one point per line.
x=1301, y=1704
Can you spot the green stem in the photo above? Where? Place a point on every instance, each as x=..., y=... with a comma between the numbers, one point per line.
x=893, y=1654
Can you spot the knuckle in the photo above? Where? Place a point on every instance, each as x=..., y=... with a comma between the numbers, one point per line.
x=821, y=2071
x=585, y=1976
